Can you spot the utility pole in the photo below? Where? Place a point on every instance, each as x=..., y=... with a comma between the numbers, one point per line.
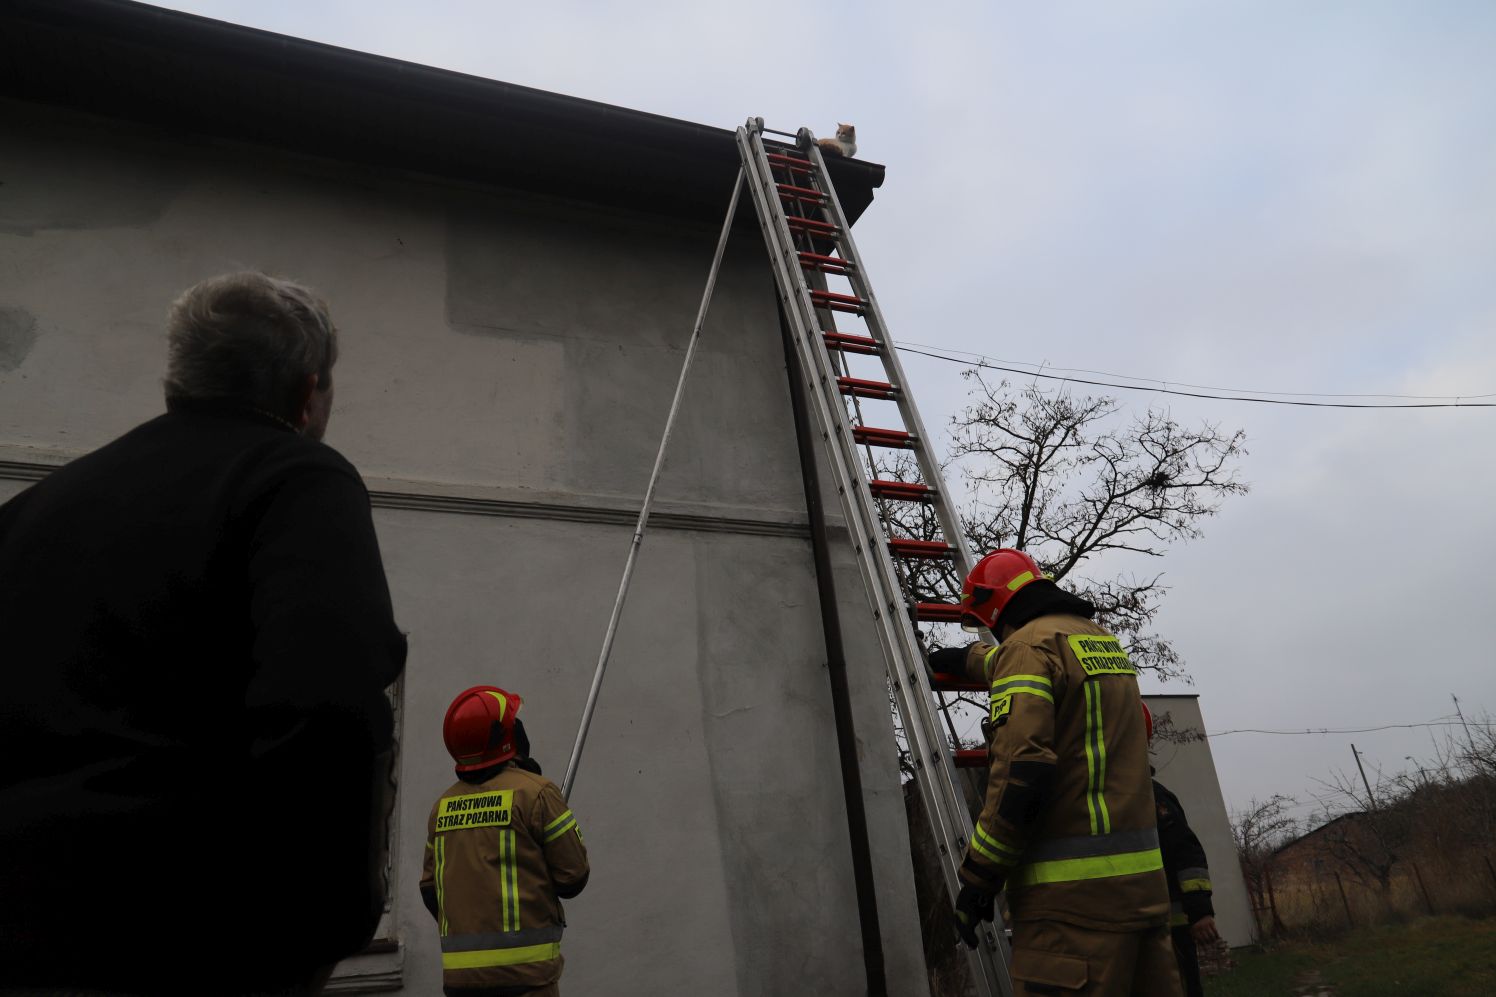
x=1457, y=712
x=1369, y=797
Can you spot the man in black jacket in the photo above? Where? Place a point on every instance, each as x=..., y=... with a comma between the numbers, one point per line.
x=195, y=735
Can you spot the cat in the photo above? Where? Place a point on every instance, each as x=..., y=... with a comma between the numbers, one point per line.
x=845, y=143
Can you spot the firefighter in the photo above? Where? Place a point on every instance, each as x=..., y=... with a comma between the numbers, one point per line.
x=1191, y=915
x=1068, y=822
x=502, y=851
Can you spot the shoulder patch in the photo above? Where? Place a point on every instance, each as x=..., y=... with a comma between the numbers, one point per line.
x=1100, y=655
x=462, y=813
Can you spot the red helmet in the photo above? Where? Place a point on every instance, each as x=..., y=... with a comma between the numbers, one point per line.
x=479, y=728
x=1148, y=722
x=991, y=584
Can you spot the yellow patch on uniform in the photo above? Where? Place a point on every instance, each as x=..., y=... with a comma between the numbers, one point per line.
x=999, y=705
x=462, y=813
x=1100, y=655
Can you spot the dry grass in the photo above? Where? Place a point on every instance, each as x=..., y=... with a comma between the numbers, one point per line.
x=1455, y=885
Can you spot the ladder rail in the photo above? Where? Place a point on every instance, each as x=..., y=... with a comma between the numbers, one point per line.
x=913, y=695
x=950, y=523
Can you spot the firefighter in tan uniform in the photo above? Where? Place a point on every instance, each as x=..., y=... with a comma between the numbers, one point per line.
x=1068, y=824
x=502, y=851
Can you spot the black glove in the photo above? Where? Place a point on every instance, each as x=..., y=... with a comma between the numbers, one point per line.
x=973, y=906
x=948, y=659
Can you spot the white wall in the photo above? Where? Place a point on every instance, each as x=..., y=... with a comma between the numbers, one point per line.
x=1189, y=772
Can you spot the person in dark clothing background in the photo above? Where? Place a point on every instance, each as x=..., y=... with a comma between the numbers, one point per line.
x=1191, y=914
x=198, y=635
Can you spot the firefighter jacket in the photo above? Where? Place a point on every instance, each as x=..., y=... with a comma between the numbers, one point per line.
x=1068, y=822
x=1184, y=862
x=499, y=856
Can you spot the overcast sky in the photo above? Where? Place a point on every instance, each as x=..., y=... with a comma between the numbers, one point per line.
x=1274, y=196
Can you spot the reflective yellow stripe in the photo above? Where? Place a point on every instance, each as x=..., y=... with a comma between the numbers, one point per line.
x=441, y=890
x=1193, y=885
x=1098, y=867
x=508, y=886
x=503, y=705
x=988, y=839
x=1178, y=921
x=558, y=827
x=987, y=658
x=553, y=835
x=987, y=853
x=1039, y=679
x=1101, y=820
x=1032, y=692
x=1020, y=581
x=501, y=957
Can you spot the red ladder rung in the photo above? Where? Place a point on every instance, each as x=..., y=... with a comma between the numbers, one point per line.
x=837, y=302
x=812, y=225
x=971, y=758
x=903, y=491
x=937, y=612
x=865, y=345
x=861, y=388
x=926, y=549
x=791, y=162
x=833, y=265
x=946, y=682
x=799, y=193
x=896, y=439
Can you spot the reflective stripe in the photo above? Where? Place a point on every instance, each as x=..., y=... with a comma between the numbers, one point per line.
x=1096, y=867
x=1194, y=885
x=1101, y=820
x=1193, y=872
x=558, y=827
x=1020, y=581
x=501, y=939
x=508, y=883
x=441, y=890
x=1086, y=845
x=560, y=831
x=1178, y=921
x=991, y=849
x=1041, y=681
x=501, y=957
x=1012, y=687
x=987, y=658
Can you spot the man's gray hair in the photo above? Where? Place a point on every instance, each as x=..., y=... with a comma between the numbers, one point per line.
x=248, y=338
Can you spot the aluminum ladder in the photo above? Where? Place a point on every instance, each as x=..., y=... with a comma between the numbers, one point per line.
x=809, y=238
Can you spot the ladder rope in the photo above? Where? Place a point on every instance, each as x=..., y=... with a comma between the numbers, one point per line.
x=654, y=478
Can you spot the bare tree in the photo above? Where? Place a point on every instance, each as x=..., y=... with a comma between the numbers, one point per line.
x=1056, y=475
x=1258, y=831
x=1367, y=831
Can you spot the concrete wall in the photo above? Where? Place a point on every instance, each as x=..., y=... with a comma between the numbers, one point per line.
x=1188, y=770
x=507, y=365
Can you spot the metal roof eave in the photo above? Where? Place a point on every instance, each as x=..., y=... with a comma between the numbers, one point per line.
x=124, y=59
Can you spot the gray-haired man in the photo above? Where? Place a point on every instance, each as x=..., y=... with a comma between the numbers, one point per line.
x=197, y=635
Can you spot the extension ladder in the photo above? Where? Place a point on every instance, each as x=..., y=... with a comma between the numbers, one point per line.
x=808, y=238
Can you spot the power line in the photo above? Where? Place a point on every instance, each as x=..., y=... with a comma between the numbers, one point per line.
x=989, y=365
x=1336, y=730
x=1046, y=365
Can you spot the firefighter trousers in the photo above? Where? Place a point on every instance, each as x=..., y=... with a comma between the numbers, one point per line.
x=1055, y=958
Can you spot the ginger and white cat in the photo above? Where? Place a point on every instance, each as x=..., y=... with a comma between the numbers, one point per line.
x=845, y=143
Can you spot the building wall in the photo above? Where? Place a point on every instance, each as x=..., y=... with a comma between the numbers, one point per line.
x=507, y=365
x=1188, y=770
